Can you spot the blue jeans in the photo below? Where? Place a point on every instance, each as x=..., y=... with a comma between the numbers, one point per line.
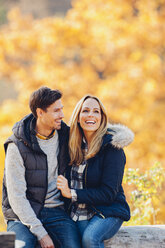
x=23, y=235
x=96, y=230
x=62, y=230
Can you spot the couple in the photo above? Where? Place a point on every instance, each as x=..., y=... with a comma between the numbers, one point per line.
x=63, y=187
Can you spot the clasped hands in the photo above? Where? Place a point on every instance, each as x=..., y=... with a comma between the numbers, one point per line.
x=62, y=184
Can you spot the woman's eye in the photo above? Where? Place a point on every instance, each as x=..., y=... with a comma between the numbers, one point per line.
x=85, y=110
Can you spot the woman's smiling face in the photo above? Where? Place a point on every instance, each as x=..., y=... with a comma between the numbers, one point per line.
x=90, y=116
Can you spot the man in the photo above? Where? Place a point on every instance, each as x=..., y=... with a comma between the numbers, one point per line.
x=35, y=154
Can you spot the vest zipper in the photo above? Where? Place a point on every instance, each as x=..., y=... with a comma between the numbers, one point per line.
x=96, y=210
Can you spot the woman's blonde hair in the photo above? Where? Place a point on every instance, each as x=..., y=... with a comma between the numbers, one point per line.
x=76, y=134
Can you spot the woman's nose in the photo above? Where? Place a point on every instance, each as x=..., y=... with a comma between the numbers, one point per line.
x=90, y=113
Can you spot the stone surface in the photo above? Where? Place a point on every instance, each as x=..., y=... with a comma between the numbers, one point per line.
x=138, y=237
x=7, y=239
x=127, y=237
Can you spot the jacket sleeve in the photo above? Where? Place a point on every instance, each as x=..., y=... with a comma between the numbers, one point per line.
x=111, y=179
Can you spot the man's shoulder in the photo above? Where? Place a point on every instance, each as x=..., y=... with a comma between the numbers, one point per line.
x=10, y=140
x=63, y=133
x=64, y=127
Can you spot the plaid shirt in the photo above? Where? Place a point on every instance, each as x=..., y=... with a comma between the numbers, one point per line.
x=78, y=211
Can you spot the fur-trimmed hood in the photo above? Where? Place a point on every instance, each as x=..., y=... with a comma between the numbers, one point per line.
x=121, y=135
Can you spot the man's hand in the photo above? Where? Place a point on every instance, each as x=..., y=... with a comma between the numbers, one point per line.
x=46, y=242
x=62, y=184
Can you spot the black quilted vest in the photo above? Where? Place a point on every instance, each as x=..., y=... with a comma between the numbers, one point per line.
x=35, y=162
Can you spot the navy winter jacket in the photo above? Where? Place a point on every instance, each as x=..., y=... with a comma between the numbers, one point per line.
x=102, y=180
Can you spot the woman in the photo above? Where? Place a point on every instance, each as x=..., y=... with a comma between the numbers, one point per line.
x=94, y=184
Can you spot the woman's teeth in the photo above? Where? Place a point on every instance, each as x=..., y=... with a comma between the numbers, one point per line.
x=90, y=122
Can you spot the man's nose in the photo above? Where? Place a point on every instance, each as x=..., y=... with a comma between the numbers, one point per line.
x=61, y=114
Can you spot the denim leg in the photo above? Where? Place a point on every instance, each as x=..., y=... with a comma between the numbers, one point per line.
x=99, y=230
x=61, y=228
x=81, y=225
x=23, y=235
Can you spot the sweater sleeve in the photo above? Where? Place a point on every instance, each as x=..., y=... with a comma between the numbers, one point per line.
x=16, y=188
x=111, y=180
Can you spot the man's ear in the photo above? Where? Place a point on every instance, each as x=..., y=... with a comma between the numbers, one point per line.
x=39, y=112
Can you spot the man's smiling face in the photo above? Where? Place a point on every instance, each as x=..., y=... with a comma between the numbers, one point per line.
x=51, y=117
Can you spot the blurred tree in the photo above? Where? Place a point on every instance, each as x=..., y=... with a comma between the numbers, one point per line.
x=145, y=197
x=3, y=12
x=113, y=49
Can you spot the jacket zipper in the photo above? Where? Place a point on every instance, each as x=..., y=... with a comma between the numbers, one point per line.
x=86, y=175
x=96, y=210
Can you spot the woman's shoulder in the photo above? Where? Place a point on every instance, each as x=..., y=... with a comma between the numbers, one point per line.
x=112, y=153
x=110, y=149
x=108, y=145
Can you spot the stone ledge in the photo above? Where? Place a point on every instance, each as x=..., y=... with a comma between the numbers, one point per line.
x=127, y=237
x=7, y=239
x=138, y=237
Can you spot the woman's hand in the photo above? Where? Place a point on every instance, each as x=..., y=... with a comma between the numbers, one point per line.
x=62, y=184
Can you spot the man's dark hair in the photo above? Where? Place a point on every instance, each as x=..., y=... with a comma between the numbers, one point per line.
x=43, y=98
